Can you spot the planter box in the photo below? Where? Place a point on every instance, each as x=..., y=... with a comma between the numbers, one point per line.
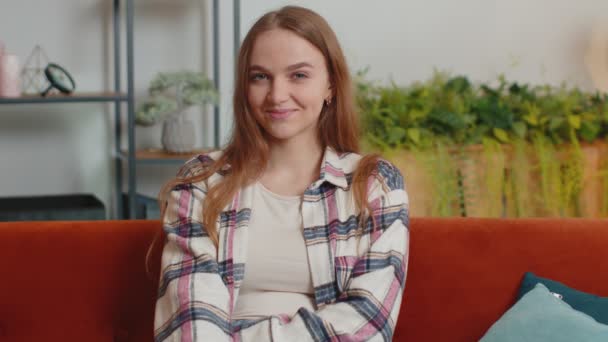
x=507, y=181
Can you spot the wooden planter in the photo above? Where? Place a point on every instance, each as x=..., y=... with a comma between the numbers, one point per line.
x=506, y=182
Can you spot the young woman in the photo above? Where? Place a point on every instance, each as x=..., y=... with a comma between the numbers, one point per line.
x=287, y=234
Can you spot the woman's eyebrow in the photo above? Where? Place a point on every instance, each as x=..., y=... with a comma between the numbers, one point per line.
x=289, y=68
x=299, y=65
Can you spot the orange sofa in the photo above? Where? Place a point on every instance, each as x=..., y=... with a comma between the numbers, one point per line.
x=86, y=281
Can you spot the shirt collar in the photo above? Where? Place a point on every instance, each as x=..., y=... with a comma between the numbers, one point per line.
x=332, y=169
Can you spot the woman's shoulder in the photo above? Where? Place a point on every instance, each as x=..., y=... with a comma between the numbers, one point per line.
x=200, y=164
x=380, y=169
x=388, y=174
x=350, y=161
x=380, y=173
x=386, y=181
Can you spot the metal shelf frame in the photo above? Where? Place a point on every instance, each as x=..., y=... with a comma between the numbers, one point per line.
x=131, y=154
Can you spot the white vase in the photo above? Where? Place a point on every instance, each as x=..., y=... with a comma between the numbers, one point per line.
x=178, y=135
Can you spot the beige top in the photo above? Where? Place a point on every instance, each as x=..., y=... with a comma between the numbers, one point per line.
x=277, y=277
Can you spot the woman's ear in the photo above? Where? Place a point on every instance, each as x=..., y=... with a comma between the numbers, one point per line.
x=329, y=94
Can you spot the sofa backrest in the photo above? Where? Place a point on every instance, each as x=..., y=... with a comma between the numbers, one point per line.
x=465, y=273
x=76, y=281
x=86, y=281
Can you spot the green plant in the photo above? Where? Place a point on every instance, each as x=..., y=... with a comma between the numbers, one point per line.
x=541, y=126
x=456, y=111
x=441, y=168
x=172, y=92
x=518, y=191
x=549, y=170
x=494, y=166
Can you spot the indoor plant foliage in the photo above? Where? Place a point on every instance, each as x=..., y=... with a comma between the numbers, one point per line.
x=171, y=95
x=514, y=149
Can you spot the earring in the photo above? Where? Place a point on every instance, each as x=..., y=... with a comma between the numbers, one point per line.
x=328, y=101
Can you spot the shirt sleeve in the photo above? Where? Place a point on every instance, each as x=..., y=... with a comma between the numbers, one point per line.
x=193, y=300
x=368, y=308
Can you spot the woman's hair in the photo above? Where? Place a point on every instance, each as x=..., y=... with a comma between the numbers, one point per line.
x=247, y=151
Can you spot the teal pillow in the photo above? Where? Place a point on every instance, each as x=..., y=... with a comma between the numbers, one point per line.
x=540, y=316
x=592, y=305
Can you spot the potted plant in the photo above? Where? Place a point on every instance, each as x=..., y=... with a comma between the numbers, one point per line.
x=171, y=95
x=502, y=149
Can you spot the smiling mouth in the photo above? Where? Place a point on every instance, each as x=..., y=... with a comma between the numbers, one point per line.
x=280, y=114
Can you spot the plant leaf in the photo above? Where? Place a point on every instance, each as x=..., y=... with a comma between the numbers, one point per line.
x=501, y=134
x=520, y=129
x=414, y=135
x=574, y=121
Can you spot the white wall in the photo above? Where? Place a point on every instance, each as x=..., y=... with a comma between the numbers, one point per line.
x=50, y=149
x=532, y=41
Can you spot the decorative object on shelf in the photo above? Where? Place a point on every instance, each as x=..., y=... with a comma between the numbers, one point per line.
x=59, y=79
x=178, y=134
x=32, y=75
x=172, y=94
x=10, y=85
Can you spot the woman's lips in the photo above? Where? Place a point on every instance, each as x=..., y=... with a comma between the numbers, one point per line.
x=278, y=114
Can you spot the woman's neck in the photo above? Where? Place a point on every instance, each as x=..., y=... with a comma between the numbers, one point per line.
x=292, y=166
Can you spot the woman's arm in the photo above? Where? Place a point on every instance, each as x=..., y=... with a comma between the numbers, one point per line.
x=193, y=301
x=368, y=307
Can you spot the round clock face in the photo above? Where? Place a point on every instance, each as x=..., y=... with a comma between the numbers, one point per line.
x=60, y=78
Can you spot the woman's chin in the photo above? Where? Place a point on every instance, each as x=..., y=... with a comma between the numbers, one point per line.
x=281, y=136
x=282, y=132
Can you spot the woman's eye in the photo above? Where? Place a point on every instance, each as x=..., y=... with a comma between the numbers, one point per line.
x=299, y=75
x=258, y=77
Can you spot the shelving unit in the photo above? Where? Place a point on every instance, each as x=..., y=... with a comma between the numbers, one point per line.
x=158, y=156
x=117, y=96
x=56, y=98
x=131, y=157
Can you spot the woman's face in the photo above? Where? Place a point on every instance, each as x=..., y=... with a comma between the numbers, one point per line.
x=288, y=83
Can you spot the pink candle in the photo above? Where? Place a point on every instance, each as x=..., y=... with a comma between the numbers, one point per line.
x=10, y=85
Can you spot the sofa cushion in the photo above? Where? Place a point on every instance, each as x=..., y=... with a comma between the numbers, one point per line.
x=540, y=316
x=592, y=305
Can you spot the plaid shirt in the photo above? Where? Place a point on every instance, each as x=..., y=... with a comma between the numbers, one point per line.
x=358, y=275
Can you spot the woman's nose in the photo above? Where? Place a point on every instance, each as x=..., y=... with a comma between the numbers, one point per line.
x=278, y=92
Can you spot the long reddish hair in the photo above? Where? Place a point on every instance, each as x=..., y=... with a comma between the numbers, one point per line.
x=248, y=149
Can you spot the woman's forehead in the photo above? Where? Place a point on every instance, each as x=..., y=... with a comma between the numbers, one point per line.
x=282, y=49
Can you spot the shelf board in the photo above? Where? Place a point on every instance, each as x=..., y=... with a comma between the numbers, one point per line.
x=159, y=156
x=61, y=98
